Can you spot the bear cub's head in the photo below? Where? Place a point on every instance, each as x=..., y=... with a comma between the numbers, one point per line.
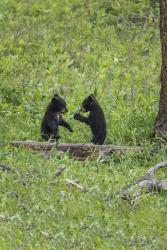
x=89, y=103
x=59, y=104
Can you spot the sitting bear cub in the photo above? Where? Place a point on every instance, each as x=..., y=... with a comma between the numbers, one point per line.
x=53, y=118
x=96, y=119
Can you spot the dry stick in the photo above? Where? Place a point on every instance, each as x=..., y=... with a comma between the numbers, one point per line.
x=59, y=171
x=7, y=168
x=80, y=151
x=74, y=183
x=147, y=181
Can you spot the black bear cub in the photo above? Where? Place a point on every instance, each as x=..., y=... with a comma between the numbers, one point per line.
x=53, y=118
x=96, y=119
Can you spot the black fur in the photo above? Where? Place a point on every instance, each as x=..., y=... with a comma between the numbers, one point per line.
x=53, y=118
x=96, y=119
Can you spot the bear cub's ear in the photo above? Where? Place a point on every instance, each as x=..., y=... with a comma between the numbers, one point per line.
x=55, y=97
x=91, y=97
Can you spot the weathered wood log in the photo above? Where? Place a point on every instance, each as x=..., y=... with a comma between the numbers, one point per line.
x=147, y=183
x=79, y=151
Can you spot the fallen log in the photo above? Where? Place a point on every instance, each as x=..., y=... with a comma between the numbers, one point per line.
x=145, y=184
x=79, y=151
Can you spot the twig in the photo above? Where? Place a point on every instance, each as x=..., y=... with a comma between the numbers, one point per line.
x=59, y=171
x=7, y=168
x=74, y=183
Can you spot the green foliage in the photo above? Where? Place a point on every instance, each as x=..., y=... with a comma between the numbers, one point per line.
x=77, y=48
x=74, y=48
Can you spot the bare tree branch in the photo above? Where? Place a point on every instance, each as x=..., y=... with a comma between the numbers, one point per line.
x=146, y=183
x=152, y=170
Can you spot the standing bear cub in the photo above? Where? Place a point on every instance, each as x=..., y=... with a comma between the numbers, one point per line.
x=96, y=119
x=53, y=118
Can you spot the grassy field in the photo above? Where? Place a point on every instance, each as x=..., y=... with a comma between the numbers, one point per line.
x=75, y=48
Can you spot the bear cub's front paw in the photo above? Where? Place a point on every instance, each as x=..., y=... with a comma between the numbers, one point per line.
x=77, y=116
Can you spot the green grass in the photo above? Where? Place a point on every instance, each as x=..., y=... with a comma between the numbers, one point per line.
x=76, y=48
